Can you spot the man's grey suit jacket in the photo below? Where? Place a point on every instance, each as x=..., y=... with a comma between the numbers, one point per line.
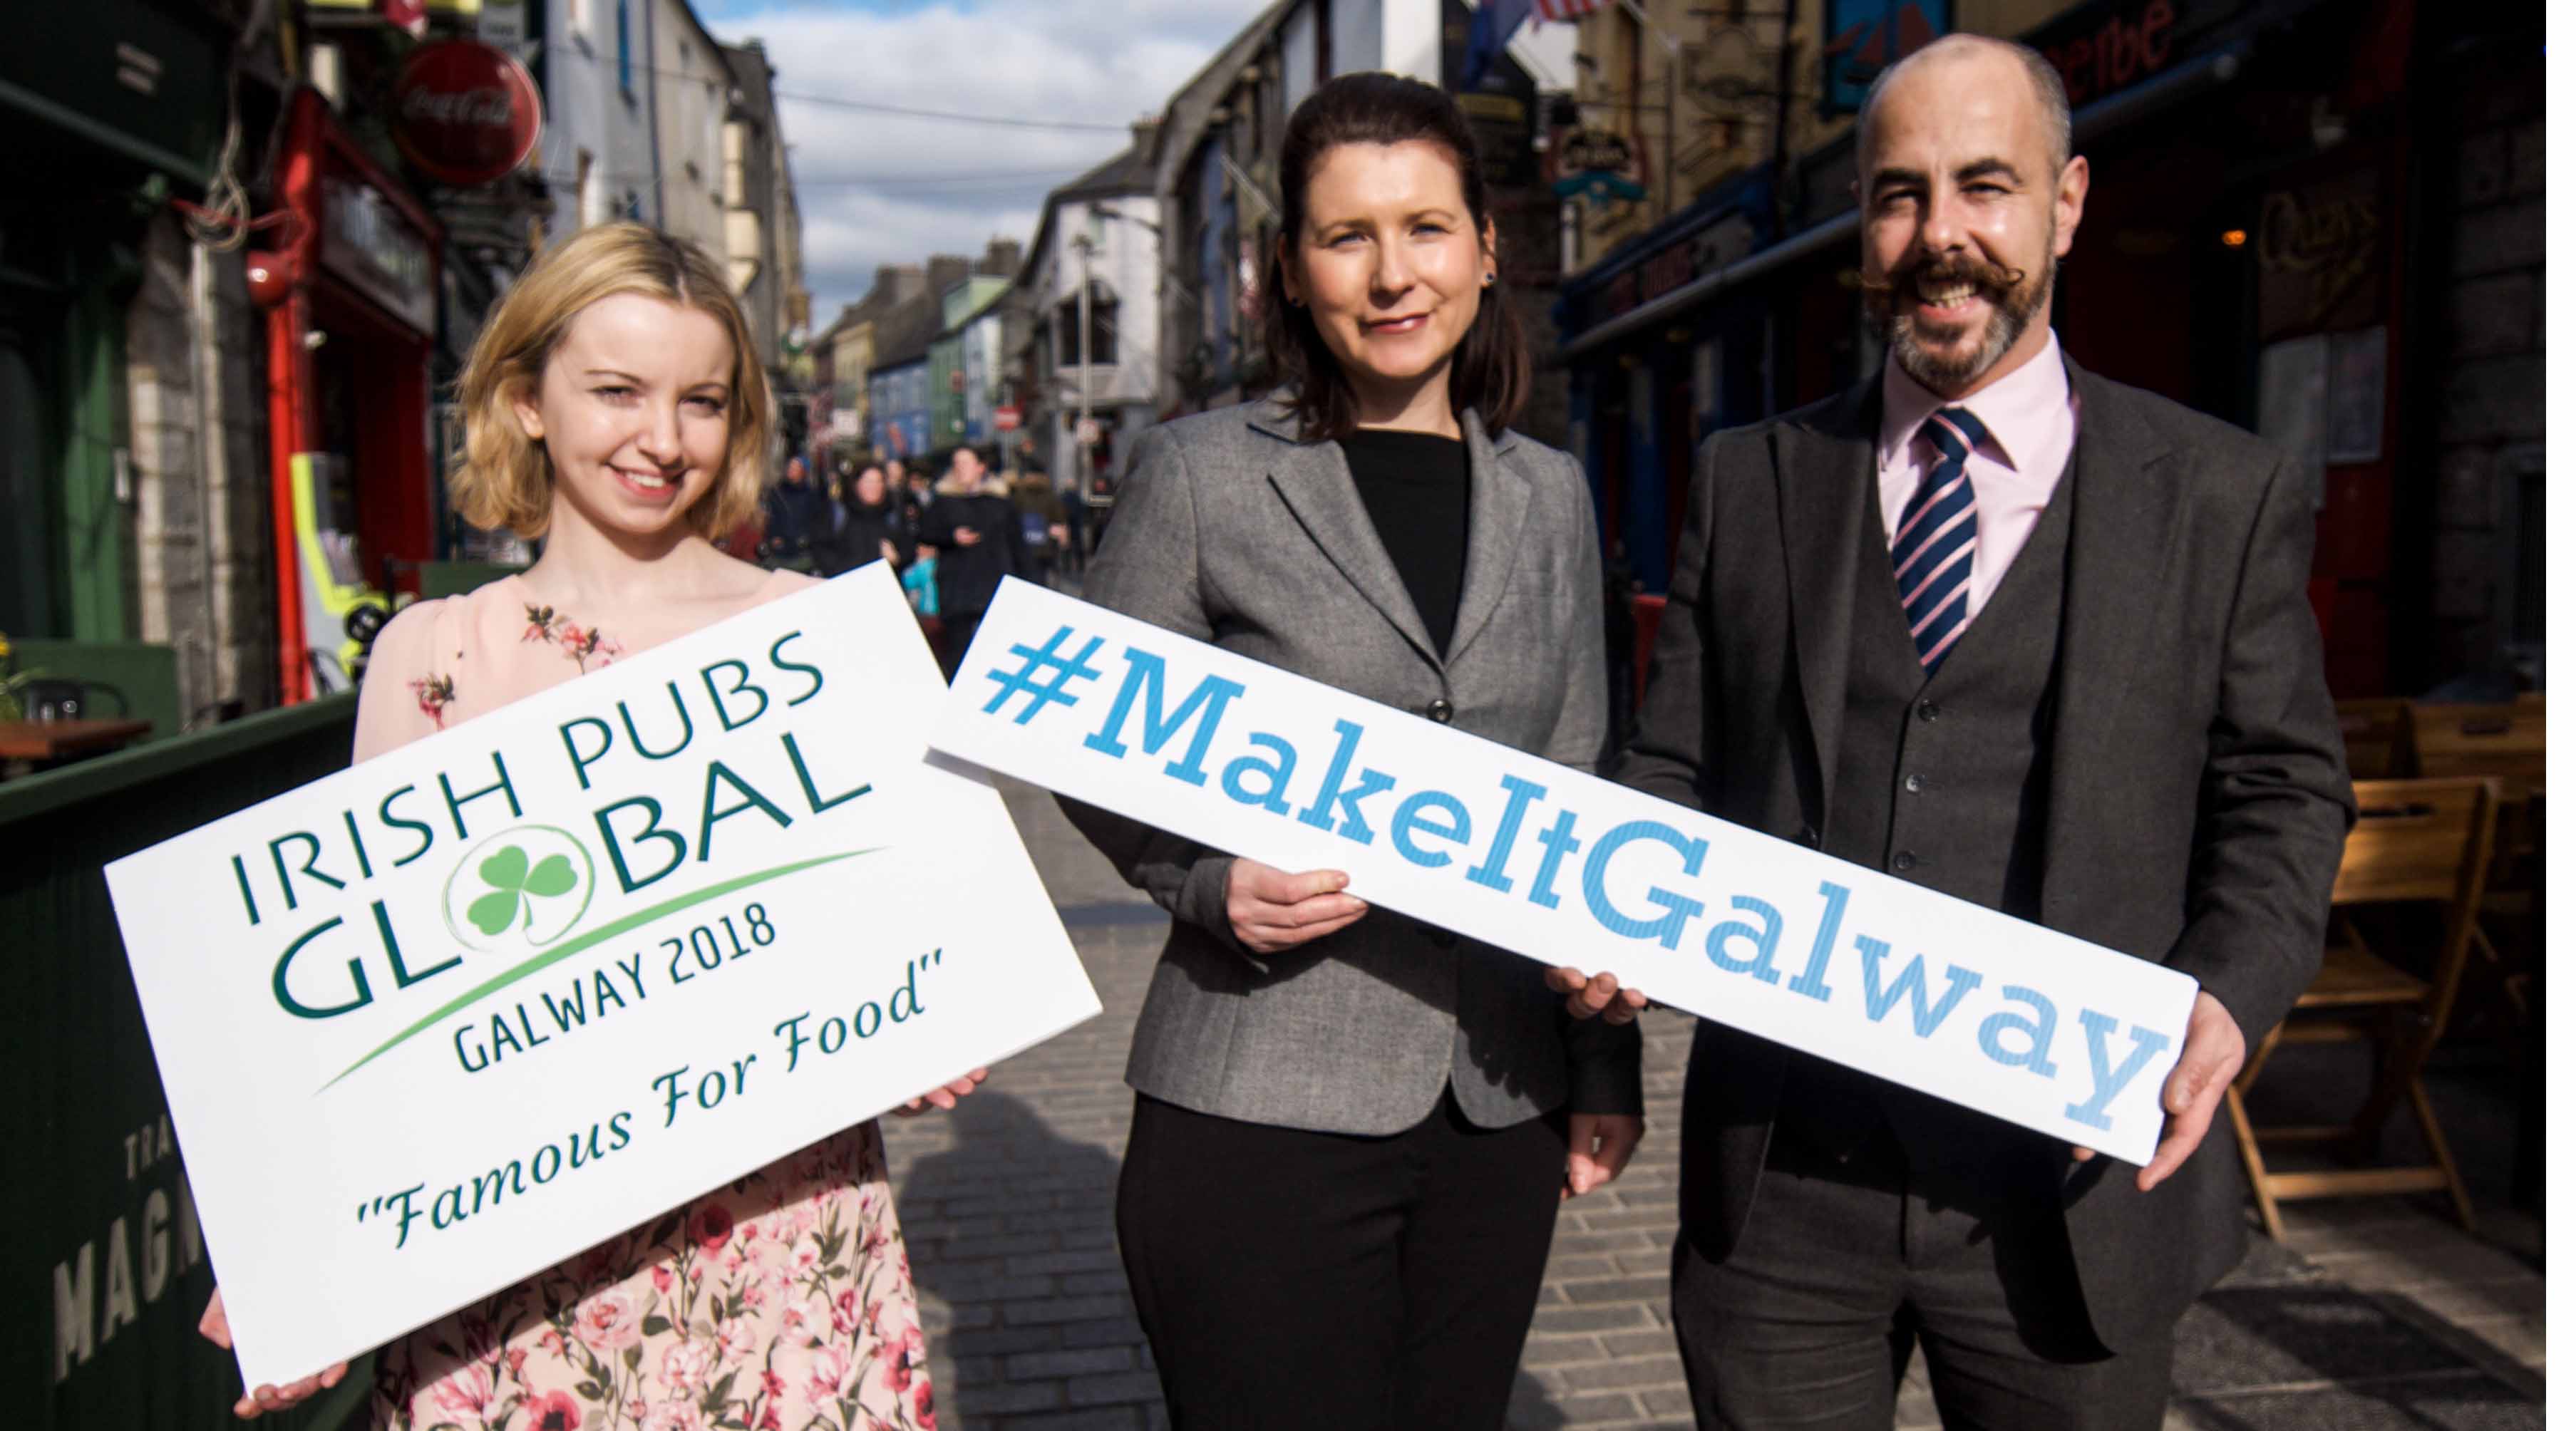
x=2197, y=798
x=1230, y=530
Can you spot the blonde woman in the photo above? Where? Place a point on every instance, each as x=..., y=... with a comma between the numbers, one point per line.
x=615, y=406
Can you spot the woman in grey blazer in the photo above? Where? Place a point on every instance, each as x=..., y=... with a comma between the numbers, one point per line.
x=1352, y=1130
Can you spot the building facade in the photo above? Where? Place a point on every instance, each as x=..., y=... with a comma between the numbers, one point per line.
x=691, y=85
x=1102, y=234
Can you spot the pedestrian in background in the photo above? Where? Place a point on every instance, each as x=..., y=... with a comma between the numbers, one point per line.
x=1352, y=1130
x=1043, y=528
x=800, y=520
x=872, y=525
x=626, y=478
x=975, y=529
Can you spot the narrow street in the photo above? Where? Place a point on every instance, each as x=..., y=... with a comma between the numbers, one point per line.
x=2377, y=1315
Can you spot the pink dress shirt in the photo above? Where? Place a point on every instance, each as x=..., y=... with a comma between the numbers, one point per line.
x=2030, y=432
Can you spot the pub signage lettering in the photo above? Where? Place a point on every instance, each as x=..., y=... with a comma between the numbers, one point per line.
x=2128, y=47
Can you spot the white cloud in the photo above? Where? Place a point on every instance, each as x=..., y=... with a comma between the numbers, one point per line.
x=878, y=188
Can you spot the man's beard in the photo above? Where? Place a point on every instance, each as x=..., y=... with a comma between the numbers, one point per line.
x=2014, y=298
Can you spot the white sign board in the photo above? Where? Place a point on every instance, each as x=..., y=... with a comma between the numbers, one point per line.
x=1941, y=995
x=446, y=1018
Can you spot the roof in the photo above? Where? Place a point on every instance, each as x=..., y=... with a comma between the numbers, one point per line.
x=1129, y=171
x=903, y=336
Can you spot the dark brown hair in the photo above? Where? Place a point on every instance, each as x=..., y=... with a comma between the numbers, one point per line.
x=1490, y=369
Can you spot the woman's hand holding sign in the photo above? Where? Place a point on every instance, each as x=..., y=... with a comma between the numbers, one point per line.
x=1272, y=910
x=259, y=1401
x=944, y=1097
x=1590, y=995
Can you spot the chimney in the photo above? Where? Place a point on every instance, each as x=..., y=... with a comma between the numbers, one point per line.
x=1142, y=146
x=947, y=270
x=896, y=284
x=1001, y=258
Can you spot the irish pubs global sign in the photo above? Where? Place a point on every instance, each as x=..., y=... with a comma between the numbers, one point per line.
x=441, y=1020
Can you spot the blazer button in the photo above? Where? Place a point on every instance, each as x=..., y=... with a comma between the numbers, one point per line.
x=1913, y=784
x=1441, y=711
x=1807, y=835
x=1904, y=860
x=1444, y=938
x=1928, y=712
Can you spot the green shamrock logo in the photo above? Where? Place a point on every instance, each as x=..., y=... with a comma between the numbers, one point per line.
x=515, y=888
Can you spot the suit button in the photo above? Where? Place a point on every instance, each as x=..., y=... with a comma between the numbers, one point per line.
x=1913, y=784
x=1444, y=938
x=1904, y=860
x=1928, y=712
x=1441, y=711
x=1807, y=835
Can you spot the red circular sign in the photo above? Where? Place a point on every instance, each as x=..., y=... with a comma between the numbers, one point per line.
x=466, y=113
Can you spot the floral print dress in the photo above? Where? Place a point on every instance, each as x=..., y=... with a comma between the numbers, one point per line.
x=780, y=1302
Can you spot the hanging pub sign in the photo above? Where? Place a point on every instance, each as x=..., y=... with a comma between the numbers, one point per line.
x=1598, y=165
x=1867, y=36
x=465, y=113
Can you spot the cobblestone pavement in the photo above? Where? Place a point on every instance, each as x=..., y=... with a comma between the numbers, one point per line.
x=1007, y=1207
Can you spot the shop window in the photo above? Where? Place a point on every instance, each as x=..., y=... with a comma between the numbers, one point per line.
x=1104, y=328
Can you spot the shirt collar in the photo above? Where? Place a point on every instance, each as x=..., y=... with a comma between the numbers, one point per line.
x=2015, y=410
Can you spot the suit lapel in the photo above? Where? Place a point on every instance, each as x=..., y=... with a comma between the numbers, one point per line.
x=2117, y=555
x=1498, y=498
x=1825, y=475
x=1315, y=482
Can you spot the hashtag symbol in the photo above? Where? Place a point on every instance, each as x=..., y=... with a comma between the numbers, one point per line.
x=1027, y=680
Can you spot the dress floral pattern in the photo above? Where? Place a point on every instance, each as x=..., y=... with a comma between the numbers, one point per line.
x=781, y=1302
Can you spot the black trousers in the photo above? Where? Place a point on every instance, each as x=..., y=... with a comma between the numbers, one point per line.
x=956, y=633
x=1857, y=1250
x=1298, y=1280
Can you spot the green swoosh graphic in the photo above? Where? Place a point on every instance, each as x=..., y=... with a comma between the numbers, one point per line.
x=603, y=933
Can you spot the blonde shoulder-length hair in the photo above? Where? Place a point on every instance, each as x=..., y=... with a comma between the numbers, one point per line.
x=501, y=477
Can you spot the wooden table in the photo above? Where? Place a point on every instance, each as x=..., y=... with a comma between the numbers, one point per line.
x=38, y=741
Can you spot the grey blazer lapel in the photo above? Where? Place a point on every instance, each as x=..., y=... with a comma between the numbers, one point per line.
x=1498, y=498
x=1825, y=474
x=2126, y=519
x=1315, y=482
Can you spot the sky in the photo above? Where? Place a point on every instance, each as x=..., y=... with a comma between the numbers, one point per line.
x=878, y=188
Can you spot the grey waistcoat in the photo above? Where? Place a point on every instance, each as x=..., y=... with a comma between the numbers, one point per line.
x=1941, y=782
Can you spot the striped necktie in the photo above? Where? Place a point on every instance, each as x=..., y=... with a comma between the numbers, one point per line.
x=1936, y=539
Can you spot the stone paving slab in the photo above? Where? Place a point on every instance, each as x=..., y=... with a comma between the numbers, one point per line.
x=1007, y=1207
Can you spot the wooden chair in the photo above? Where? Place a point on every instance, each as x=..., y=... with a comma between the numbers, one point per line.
x=2374, y=738
x=2425, y=840
x=2510, y=743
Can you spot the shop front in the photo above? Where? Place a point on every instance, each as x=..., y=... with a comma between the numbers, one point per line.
x=354, y=316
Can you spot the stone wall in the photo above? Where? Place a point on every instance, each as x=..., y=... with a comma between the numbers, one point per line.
x=2489, y=362
x=198, y=422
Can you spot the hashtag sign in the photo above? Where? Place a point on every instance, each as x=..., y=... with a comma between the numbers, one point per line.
x=1037, y=663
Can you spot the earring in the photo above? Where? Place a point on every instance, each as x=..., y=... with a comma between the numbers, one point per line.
x=1489, y=280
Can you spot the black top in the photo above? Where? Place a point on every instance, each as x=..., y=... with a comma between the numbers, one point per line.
x=1414, y=485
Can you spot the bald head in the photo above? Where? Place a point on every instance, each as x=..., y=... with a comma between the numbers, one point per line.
x=1980, y=61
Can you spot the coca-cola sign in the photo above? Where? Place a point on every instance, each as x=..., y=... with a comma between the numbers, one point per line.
x=466, y=113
